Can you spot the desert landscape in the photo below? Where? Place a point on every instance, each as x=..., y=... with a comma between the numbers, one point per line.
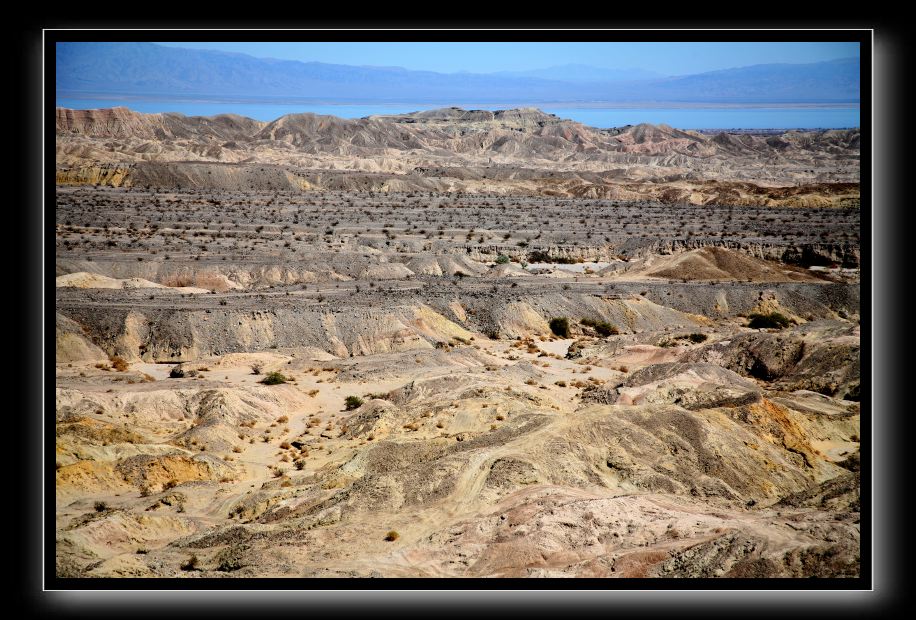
x=454, y=343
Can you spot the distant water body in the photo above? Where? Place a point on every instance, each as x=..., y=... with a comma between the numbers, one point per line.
x=807, y=116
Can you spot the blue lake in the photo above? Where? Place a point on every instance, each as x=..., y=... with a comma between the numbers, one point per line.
x=692, y=117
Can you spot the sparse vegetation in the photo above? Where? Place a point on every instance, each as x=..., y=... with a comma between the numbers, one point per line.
x=603, y=328
x=768, y=320
x=274, y=377
x=353, y=402
x=560, y=327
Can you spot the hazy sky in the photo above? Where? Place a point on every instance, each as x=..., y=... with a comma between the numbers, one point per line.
x=664, y=58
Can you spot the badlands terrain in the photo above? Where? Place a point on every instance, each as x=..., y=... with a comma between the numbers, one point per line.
x=454, y=344
x=522, y=151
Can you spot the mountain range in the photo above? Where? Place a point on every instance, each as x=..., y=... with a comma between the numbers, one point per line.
x=146, y=69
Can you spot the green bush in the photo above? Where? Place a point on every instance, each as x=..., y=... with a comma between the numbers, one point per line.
x=502, y=259
x=772, y=319
x=602, y=327
x=353, y=402
x=560, y=327
x=273, y=378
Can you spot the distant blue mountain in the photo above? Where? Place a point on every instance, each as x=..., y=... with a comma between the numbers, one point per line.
x=584, y=74
x=834, y=80
x=146, y=69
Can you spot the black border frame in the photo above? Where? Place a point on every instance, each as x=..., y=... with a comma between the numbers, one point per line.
x=892, y=45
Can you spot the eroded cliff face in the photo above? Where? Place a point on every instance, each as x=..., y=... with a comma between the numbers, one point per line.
x=104, y=174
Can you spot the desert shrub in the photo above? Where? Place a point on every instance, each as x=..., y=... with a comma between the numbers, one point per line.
x=176, y=372
x=697, y=338
x=353, y=402
x=274, y=378
x=560, y=327
x=257, y=368
x=119, y=363
x=602, y=327
x=606, y=329
x=502, y=259
x=539, y=256
x=773, y=319
x=100, y=506
x=191, y=564
x=392, y=536
x=228, y=562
